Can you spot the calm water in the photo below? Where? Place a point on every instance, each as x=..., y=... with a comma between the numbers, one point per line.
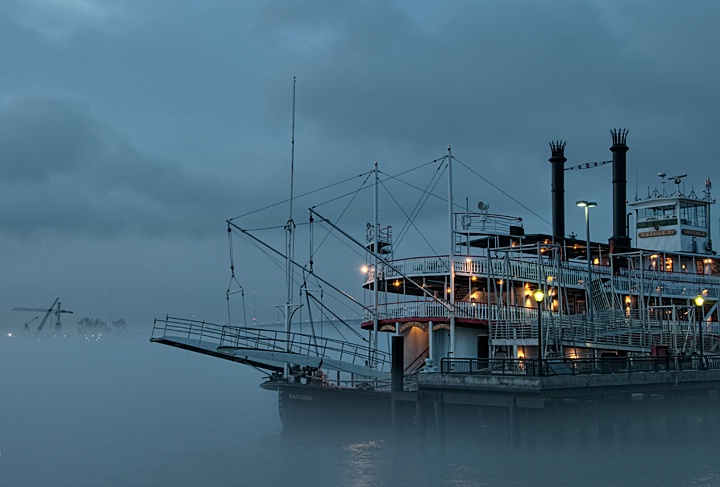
x=124, y=412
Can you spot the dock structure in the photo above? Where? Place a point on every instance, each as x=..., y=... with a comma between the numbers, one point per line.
x=592, y=400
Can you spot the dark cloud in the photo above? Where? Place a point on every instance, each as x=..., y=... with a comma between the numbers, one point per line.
x=64, y=170
x=150, y=127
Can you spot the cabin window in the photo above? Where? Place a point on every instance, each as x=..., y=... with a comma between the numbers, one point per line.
x=656, y=212
x=693, y=214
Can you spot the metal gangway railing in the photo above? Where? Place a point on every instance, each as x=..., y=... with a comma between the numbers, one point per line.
x=267, y=344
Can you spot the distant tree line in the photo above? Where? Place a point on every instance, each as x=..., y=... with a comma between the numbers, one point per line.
x=94, y=326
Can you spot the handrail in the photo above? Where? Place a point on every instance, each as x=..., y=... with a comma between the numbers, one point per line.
x=572, y=274
x=567, y=366
x=463, y=309
x=234, y=337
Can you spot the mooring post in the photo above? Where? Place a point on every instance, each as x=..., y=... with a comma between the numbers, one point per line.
x=396, y=383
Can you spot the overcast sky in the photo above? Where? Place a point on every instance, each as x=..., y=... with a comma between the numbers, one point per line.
x=130, y=131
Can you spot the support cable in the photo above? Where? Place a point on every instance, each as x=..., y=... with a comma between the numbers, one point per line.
x=299, y=196
x=354, y=195
x=321, y=305
x=416, y=210
x=503, y=192
x=240, y=289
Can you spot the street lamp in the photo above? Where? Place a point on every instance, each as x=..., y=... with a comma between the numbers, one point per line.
x=699, y=300
x=587, y=205
x=539, y=296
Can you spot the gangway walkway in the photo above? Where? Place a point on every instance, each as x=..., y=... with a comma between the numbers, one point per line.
x=270, y=349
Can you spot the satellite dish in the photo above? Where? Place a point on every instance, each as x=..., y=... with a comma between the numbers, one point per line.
x=482, y=206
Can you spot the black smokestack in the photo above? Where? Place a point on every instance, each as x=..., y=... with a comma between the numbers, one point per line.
x=619, y=149
x=558, y=188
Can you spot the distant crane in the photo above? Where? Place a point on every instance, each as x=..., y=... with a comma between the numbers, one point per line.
x=55, y=308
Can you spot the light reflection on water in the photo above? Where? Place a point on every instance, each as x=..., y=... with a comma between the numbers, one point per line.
x=124, y=412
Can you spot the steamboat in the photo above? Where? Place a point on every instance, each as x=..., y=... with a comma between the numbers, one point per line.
x=505, y=328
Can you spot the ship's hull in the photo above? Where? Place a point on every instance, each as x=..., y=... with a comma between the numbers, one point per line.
x=306, y=406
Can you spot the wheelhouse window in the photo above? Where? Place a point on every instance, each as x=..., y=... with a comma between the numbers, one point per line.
x=693, y=214
x=656, y=212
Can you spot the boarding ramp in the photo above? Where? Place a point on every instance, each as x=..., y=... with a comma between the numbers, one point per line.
x=270, y=350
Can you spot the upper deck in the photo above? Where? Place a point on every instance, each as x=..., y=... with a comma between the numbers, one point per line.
x=649, y=277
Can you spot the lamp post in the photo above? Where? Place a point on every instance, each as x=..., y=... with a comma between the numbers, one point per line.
x=539, y=296
x=587, y=205
x=699, y=300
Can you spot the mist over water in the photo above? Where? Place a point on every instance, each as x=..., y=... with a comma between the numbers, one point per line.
x=124, y=412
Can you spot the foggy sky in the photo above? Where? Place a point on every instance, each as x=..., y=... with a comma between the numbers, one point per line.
x=129, y=132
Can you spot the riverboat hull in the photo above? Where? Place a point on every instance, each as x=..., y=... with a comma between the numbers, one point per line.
x=307, y=406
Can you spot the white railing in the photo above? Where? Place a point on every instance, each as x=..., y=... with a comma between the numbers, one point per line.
x=464, y=309
x=571, y=274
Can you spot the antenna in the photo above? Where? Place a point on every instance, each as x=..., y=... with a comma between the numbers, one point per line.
x=292, y=153
x=662, y=175
x=290, y=223
x=677, y=180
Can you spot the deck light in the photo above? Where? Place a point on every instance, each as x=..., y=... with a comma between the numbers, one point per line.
x=699, y=300
x=364, y=269
x=587, y=205
x=539, y=296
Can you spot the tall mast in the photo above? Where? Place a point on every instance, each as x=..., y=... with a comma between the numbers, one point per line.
x=289, y=241
x=290, y=223
x=451, y=256
x=376, y=252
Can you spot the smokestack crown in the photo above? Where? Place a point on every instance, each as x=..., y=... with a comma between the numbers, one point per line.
x=557, y=148
x=619, y=138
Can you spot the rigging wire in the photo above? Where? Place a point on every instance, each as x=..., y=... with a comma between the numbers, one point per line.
x=323, y=306
x=346, y=244
x=503, y=192
x=363, y=187
x=410, y=221
x=233, y=278
x=418, y=167
x=275, y=260
x=275, y=227
x=310, y=317
x=426, y=193
x=304, y=285
x=355, y=193
x=444, y=200
x=280, y=265
x=298, y=196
